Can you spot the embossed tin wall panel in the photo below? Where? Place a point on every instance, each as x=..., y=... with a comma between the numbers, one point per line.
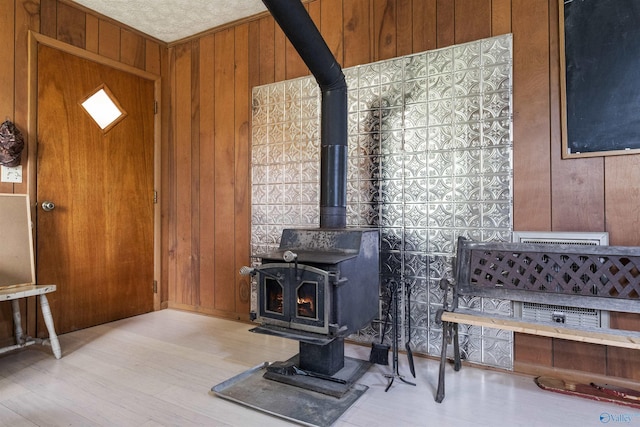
x=430, y=158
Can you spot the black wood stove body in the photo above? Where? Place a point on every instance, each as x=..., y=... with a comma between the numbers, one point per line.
x=318, y=287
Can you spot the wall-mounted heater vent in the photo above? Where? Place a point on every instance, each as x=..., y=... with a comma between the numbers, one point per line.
x=572, y=316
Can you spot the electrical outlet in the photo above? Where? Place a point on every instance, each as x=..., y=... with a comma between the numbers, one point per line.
x=12, y=174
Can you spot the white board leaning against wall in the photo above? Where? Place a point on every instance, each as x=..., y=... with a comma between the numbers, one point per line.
x=16, y=251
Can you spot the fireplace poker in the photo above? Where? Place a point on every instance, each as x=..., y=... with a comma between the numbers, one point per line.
x=396, y=368
x=380, y=352
x=407, y=344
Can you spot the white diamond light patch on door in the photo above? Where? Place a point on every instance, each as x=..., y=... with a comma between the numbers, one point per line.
x=103, y=108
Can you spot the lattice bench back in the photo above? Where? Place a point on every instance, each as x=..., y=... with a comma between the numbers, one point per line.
x=600, y=277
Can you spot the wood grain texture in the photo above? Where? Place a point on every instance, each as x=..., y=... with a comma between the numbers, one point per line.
x=7, y=77
x=531, y=145
x=132, y=49
x=578, y=336
x=48, y=15
x=532, y=349
x=500, y=17
x=207, y=172
x=224, y=194
x=109, y=42
x=357, y=33
x=183, y=219
x=71, y=26
x=384, y=29
x=92, y=33
x=194, y=209
x=26, y=19
x=279, y=53
x=242, y=163
x=267, y=47
x=7, y=87
x=445, y=23
x=152, y=57
x=579, y=356
x=167, y=190
x=404, y=23
x=476, y=16
x=425, y=32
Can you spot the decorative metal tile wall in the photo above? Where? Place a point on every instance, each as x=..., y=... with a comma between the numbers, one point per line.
x=430, y=158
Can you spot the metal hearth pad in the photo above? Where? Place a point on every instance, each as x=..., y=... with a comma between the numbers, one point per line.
x=293, y=403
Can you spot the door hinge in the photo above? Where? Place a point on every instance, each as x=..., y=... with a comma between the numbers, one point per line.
x=155, y=107
x=155, y=286
x=155, y=197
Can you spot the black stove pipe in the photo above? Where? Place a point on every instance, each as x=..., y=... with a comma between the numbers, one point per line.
x=297, y=25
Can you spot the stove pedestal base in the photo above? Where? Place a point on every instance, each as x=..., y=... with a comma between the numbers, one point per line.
x=324, y=359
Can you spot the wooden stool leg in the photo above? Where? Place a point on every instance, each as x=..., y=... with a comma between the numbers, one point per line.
x=17, y=322
x=48, y=321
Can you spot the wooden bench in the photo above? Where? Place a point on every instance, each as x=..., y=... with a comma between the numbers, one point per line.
x=590, y=277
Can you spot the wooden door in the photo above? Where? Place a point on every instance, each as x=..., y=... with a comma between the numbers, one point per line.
x=96, y=245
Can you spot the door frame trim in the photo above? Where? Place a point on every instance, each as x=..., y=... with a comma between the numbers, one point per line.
x=32, y=136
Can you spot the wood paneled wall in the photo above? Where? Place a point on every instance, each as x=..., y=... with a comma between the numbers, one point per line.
x=206, y=106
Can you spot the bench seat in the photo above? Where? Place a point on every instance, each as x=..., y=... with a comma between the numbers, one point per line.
x=591, y=277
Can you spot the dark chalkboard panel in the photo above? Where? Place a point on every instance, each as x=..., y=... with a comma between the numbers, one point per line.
x=601, y=77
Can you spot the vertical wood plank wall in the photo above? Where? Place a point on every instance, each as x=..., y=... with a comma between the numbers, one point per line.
x=206, y=111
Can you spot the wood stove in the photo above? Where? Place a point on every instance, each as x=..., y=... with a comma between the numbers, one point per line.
x=319, y=286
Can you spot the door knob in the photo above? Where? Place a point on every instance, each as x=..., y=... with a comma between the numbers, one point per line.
x=48, y=206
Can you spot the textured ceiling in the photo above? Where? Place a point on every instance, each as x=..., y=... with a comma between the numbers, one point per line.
x=172, y=20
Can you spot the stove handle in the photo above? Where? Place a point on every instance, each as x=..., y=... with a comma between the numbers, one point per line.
x=289, y=256
x=247, y=271
x=250, y=271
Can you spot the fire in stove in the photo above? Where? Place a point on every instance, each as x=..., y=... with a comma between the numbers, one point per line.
x=307, y=301
x=273, y=298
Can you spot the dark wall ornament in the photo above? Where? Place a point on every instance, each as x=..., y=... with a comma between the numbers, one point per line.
x=11, y=144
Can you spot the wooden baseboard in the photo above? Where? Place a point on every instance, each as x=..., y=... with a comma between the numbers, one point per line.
x=243, y=317
x=571, y=375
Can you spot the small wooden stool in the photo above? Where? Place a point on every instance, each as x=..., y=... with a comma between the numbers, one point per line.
x=14, y=295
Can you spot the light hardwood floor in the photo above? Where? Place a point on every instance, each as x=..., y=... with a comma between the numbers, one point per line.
x=157, y=370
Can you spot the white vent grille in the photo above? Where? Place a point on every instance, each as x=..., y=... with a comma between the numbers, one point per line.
x=572, y=316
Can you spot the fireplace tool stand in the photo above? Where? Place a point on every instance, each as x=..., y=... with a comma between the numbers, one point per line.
x=394, y=347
